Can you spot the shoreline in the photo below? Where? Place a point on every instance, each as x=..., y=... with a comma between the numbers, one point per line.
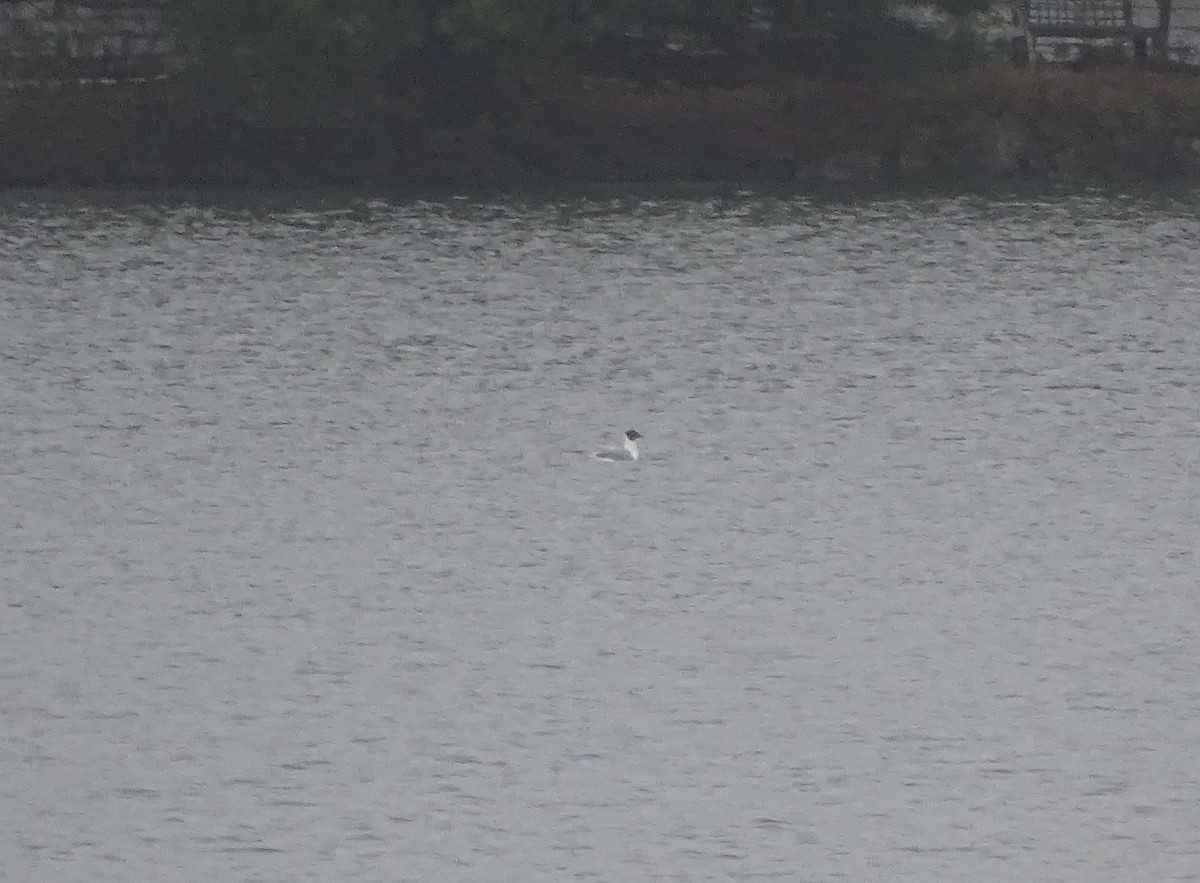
x=983, y=128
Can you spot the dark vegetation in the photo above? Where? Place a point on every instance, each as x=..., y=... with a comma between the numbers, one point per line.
x=412, y=92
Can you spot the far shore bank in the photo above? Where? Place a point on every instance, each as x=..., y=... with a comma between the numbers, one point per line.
x=987, y=127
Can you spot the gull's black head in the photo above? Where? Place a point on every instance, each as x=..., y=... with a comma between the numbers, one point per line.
x=633, y=435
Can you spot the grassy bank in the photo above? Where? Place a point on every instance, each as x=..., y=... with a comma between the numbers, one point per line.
x=987, y=126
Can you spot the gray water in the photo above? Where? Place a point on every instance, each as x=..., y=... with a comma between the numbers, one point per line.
x=307, y=574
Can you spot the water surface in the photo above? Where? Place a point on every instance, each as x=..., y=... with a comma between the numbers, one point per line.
x=306, y=574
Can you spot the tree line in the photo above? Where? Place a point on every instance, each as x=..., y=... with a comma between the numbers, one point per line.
x=304, y=50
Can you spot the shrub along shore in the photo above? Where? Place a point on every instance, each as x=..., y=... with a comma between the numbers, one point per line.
x=986, y=126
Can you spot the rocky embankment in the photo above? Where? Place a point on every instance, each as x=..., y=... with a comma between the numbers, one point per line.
x=991, y=126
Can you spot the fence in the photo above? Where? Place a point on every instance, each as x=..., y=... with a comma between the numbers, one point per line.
x=1183, y=40
x=1074, y=14
x=48, y=40
x=1062, y=29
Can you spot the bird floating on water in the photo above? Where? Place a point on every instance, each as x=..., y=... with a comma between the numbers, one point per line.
x=629, y=451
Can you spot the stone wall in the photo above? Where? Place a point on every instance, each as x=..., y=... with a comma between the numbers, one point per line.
x=49, y=40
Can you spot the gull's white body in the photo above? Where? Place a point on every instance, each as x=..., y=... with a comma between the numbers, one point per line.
x=627, y=453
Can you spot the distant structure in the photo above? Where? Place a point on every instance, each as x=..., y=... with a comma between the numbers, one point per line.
x=58, y=40
x=1144, y=26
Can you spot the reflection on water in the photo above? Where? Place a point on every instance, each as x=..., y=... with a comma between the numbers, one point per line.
x=307, y=574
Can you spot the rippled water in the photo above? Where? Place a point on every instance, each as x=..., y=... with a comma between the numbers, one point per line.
x=306, y=574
